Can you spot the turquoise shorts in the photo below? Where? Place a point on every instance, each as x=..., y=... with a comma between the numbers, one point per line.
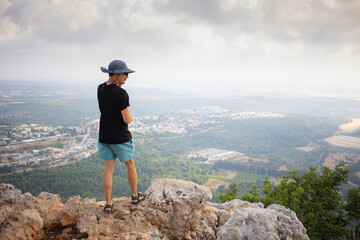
x=123, y=151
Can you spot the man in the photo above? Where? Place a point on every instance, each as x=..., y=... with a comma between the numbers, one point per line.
x=115, y=140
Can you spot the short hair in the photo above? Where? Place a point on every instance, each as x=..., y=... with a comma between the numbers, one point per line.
x=111, y=74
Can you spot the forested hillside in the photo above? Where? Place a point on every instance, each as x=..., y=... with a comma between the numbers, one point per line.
x=85, y=177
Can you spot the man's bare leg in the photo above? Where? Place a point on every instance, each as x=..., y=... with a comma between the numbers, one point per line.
x=108, y=179
x=132, y=176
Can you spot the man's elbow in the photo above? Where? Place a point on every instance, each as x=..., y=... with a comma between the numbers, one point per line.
x=128, y=121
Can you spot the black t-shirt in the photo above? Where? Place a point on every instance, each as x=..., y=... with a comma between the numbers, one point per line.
x=112, y=100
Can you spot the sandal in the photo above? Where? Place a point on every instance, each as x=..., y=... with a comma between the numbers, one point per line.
x=140, y=197
x=106, y=208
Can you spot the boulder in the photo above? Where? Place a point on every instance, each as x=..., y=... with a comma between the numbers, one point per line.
x=20, y=220
x=272, y=223
x=178, y=207
x=49, y=207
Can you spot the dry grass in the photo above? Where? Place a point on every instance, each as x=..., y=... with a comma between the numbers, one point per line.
x=214, y=183
x=353, y=126
x=308, y=148
x=246, y=159
x=283, y=168
x=335, y=158
x=228, y=174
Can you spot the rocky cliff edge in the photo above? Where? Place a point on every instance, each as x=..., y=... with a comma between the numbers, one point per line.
x=174, y=209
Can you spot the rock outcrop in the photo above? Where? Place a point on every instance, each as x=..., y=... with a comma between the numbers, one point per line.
x=174, y=209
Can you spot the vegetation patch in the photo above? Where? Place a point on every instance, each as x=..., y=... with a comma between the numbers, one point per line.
x=215, y=183
x=226, y=173
x=244, y=177
x=315, y=198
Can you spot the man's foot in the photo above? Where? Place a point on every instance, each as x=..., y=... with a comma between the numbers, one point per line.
x=109, y=208
x=137, y=199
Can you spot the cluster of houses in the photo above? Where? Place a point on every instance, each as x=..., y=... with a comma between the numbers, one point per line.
x=25, y=145
x=211, y=155
x=179, y=121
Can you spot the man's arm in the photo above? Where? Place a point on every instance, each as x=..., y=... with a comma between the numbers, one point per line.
x=126, y=115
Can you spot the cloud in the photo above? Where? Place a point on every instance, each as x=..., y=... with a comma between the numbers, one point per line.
x=311, y=22
x=8, y=29
x=57, y=21
x=233, y=39
x=89, y=22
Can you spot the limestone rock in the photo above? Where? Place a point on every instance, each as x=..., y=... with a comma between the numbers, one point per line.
x=272, y=223
x=174, y=209
x=22, y=220
x=177, y=206
x=226, y=210
x=49, y=207
x=72, y=211
x=9, y=194
x=25, y=225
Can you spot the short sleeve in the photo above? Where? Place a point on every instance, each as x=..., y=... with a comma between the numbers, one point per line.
x=123, y=100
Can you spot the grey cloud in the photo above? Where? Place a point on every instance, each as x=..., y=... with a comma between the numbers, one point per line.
x=210, y=12
x=163, y=24
x=119, y=23
x=64, y=22
x=311, y=21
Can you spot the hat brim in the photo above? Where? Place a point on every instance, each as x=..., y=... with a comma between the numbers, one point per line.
x=125, y=70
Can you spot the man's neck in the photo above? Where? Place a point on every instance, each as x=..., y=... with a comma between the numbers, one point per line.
x=108, y=82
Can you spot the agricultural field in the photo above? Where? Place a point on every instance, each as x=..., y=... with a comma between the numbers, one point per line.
x=221, y=177
x=225, y=177
x=344, y=141
x=228, y=174
x=310, y=147
x=215, y=183
x=246, y=159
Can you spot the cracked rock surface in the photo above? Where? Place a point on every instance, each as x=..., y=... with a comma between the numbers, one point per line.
x=173, y=209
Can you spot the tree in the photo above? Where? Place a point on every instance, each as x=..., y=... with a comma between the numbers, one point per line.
x=231, y=195
x=353, y=204
x=254, y=196
x=353, y=209
x=314, y=197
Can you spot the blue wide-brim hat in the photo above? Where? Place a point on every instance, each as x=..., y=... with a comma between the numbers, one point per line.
x=117, y=66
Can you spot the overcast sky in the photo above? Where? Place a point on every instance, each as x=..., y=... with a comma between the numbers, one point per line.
x=299, y=45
